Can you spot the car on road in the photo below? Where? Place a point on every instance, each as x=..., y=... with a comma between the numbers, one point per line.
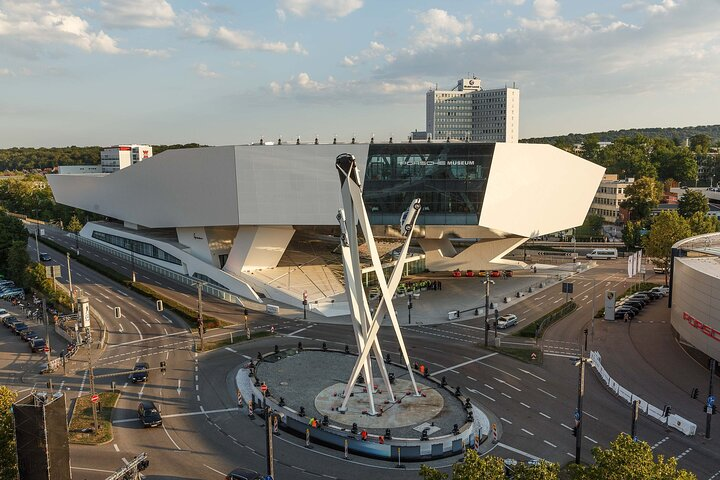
x=19, y=327
x=243, y=474
x=8, y=319
x=496, y=273
x=140, y=372
x=507, y=321
x=45, y=257
x=38, y=345
x=149, y=414
x=13, y=292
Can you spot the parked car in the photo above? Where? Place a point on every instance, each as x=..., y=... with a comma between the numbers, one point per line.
x=45, y=257
x=643, y=298
x=149, y=414
x=653, y=295
x=12, y=293
x=508, y=273
x=621, y=306
x=639, y=304
x=243, y=474
x=29, y=335
x=660, y=270
x=664, y=290
x=469, y=273
x=140, y=372
x=8, y=319
x=620, y=314
x=38, y=345
x=496, y=273
x=507, y=321
x=19, y=327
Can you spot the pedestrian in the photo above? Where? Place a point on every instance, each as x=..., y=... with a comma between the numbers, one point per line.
x=363, y=435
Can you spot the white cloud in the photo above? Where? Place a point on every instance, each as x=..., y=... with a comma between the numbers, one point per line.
x=404, y=87
x=515, y=3
x=49, y=24
x=440, y=28
x=239, y=40
x=663, y=7
x=326, y=8
x=203, y=71
x=546, y=8
x=282, y=16
x=195, y=24
x=376, y=49
x=137, y=13
x=6, y=72
x=148, y=52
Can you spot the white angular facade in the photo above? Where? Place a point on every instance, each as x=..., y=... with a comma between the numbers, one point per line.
x=228, y=213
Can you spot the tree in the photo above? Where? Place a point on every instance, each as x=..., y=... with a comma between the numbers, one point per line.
x=8, y=457
x=628, y=157
x=631, y=235
x=667, y=229
x=429, y=473
x=629, y=460
x=591, y=227
x=692, y=201
x=542, y=471
x=642, y=196
x=591, y=147
x=476, y=467
x=18, y=261
x=700, y=143
x=74, y=225
x=701, y=223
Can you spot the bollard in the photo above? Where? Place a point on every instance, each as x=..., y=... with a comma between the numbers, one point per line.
x=347, y=349
x=324, y=347
x=346, y=449
x=231, y=338
x=300, y=346
x=443, y=381
x=112, y=385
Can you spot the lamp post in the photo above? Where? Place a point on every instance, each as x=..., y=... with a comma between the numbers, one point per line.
x=247, y=329
x=487, y=305
x=201, y=325
x=581, y=394
x=409, y=308
x=37, y=229
x=72, y=294
x=132, y=261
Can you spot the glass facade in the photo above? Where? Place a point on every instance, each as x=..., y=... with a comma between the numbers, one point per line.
x=137, y=247
x=448, y=178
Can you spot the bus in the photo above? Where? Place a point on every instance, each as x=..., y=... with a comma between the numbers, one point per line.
x=602, y=253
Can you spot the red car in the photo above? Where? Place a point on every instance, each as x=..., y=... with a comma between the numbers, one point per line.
x=469, y=273
x=495, y=273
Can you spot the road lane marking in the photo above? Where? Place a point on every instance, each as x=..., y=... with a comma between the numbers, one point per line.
x=684, y=453
x=506, y=383
x=508, y=396
x=480, y=393
x=121, y=327
x=503, y=371
x=519, y=452
x=230, y=350
x=465, y=363
x=138, y=330
x=142, y=389
x=471, y=378
x=216, y=471
x=145, y=321
x=146, y=339
x=187, y=414
x=488, y=386
x=545, y=415
x=506, y=420
x=594, y=441
x=563, y=355
x=122, y=293
x=247, y=357
x=551, y=444
x=563, y=425
x=532, y=374
x=547, y=393
x=528, y=432
x=298, y=331
x=591, y=416
x=116, y=447
x=525, y=405
x=173, y=441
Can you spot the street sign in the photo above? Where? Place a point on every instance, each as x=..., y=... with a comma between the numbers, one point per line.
x=567, y=287
x=711, y=400
x=95, y=398
x=46, y=349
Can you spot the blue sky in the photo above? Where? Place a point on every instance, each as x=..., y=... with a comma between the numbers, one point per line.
x=101, y=72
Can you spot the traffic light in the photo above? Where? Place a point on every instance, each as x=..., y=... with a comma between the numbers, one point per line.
x=163, y=367
x=574, y=431
x=666, y=411
x=694, y=393
x=714, y=408
x=246, y=312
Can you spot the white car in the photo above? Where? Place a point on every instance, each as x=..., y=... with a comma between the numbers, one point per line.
x=665, y=290
x=507, y=321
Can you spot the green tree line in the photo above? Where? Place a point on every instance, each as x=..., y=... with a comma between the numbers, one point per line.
x=26, y=159
x=676, y=134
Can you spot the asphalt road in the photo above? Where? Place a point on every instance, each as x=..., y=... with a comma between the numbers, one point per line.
x=204, y=435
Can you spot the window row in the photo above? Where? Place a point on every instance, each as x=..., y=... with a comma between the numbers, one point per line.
x=136, y=246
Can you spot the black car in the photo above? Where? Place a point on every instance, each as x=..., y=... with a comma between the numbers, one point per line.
x=45, y=257
x=643, y=298
x=37, y=345
x=639, y=304
x=149, y=414
x=29, y=335
x=8, y=321
x=140, y=372
x=243, y=474
x=19, y=327
x=620, y=314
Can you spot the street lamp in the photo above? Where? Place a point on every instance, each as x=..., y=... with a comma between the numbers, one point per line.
x=37, y=229
x=487, y=283
x=409, y=307
x=201, y=326
x=581, y=393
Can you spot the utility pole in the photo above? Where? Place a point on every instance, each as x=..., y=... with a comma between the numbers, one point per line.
x=92, y=381
x=635, y=415
x=269, y=442
x=47, y=332
x=201, y=326
x=710, y=400
x=409, y=308
x=37, y=245
x=579, y=411
x=247, y=329
x=487, y=306
x=72, y=294
x=132, y=259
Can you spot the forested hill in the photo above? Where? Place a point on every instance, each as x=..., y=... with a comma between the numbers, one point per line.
x=24, y=158
x=677, y=134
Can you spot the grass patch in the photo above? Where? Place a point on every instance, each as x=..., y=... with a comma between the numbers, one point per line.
x=522, y=354
x=537, y=328
x=238, y=337
x=82, y=419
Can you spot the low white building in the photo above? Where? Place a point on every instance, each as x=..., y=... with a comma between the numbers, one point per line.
x=118, y=157
x=610, y=194
x=228, y=214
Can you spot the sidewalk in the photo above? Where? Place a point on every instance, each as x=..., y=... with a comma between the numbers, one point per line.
x=644, y=357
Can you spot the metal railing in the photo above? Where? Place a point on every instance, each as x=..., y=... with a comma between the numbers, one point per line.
x=162, y=271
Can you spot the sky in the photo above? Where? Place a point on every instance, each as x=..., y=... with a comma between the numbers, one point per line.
x=221, y=72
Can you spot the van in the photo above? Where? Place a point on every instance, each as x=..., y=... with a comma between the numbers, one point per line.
x=602, y=253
